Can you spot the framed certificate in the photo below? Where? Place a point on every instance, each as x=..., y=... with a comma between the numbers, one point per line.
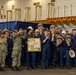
x=34, y=45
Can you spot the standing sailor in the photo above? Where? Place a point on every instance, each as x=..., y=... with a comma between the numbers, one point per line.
x=3, y=50
x=16, y=53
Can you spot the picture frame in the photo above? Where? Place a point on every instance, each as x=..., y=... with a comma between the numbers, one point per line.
x=34, y=45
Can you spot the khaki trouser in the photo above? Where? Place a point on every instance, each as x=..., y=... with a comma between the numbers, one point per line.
x=16, y=58
x=2, y=58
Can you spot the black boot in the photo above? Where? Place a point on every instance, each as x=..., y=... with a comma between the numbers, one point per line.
x=61, y=67
x=14, y=68
x=53, y=66
x=2, y=69
x=28, y=68
x=50, y=67
x=18, y=69
x=34, y=68
x=47, y=67
x=68, y=67
x=43, y=68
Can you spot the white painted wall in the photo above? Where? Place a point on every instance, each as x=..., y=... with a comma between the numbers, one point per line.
x=21, y=4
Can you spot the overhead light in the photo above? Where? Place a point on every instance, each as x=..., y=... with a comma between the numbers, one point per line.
x=10, y=2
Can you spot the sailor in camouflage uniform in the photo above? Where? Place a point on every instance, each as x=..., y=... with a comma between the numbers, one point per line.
x=16, y=54
x=17, y=47
x=3, y=50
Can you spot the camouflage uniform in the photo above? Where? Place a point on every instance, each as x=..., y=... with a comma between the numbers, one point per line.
x=3, y=51
x=16, y=54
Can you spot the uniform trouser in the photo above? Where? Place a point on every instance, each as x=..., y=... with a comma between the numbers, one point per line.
x=16, y=59
x=64, y=52
x=30, y=59
x=8, y=57
x=38, y=58
x=73, y=60
x=58, y=57
x=23, y=56
x=50, y=57
x=2, y=59
x=54, y=56
x=45, y=57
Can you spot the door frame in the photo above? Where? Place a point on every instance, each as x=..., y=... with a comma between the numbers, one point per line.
x=7, y=14
x=20, y=13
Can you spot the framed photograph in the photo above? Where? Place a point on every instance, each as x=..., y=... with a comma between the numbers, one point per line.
x=34, y=45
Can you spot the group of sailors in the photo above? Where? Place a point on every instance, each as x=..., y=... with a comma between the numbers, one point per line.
x=55, y=48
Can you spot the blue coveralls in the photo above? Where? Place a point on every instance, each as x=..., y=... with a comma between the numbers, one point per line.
x=24, y=49
x=38, y=54
x=54, y=52
x=46, y=47
x=64, y=51
x=41, y=35
x=74, y=48
x=30, y=56
x=9, y=47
